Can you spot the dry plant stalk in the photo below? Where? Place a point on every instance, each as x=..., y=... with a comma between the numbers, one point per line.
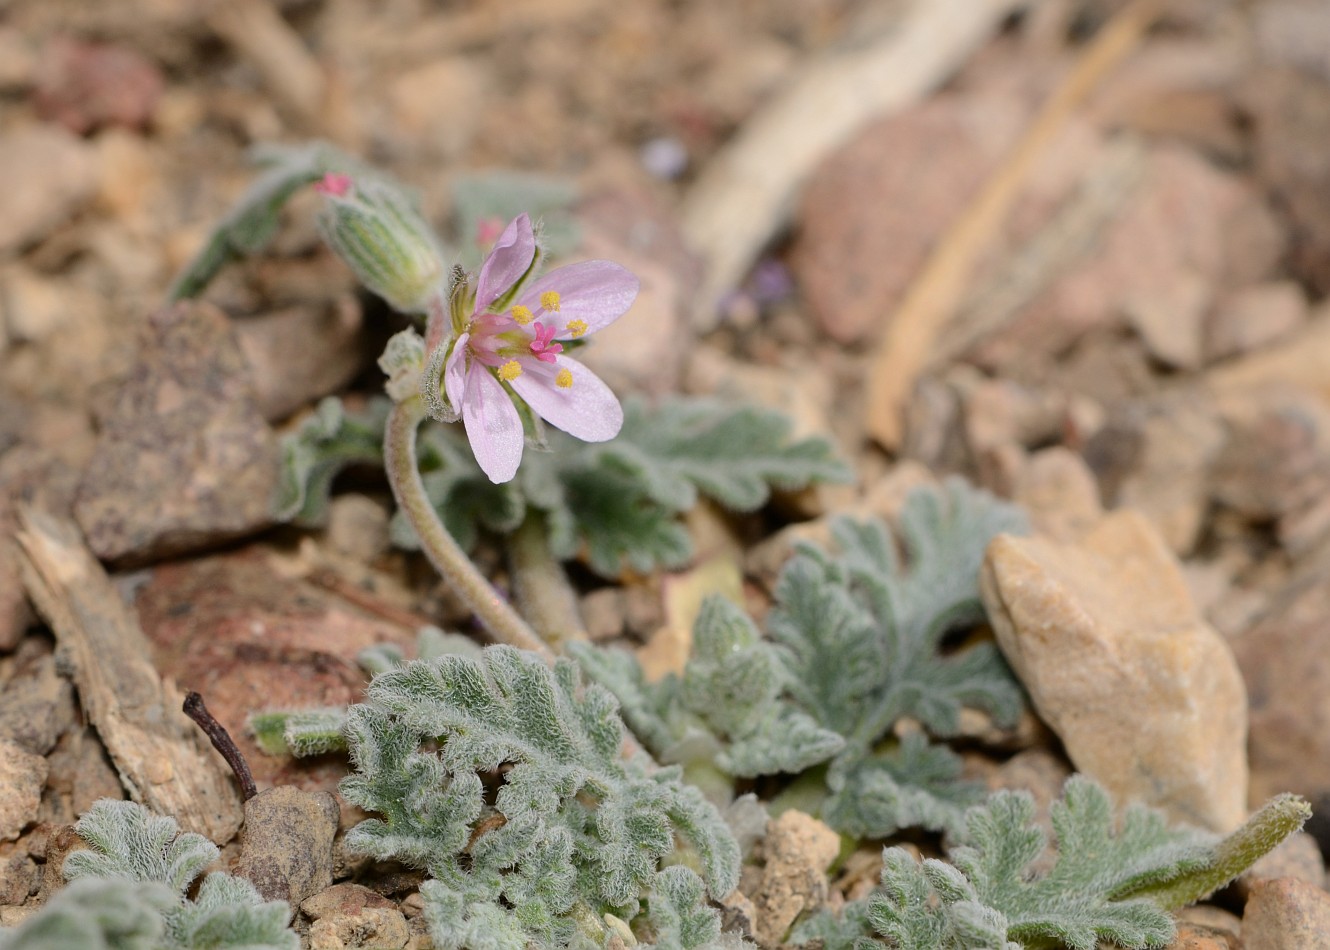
x=941, y=286
x=163, y=760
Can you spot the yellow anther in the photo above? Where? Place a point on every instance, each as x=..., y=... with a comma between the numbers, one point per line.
x=522, y=315
x=510, y=370
x=577, y=328
x=550, y=300
x=564, y=379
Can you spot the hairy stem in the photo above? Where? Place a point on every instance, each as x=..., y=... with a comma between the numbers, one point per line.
x=540, y=586
x=399, y=457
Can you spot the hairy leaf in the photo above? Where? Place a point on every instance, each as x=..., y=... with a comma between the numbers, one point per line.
x=1110, y=880
x=573, y=825
x=329, y=441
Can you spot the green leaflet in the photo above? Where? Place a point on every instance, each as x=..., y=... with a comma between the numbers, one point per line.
x=617, y=501
x=855, y=643
x=127, y=893
x=1111, y=881
x=576, y=831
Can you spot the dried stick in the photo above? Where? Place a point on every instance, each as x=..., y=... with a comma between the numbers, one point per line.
x=904, y=349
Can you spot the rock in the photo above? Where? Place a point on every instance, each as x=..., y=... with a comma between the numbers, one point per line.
x=299, y=354
x=1276, y=456
x=358, y=527
x=603, y=613
x=86, y=86
x=644, y=350
x=381, y=927
x=18, y=59
x=1201, y=937
x=1187, y=230
x=1286, y=914
x=1252, y=317
x=286, y=847
x=1176, y=438
x=184, y=459
x=36, y=705
x=1285, y=658
x=1298, y=858
x=1292, y=115
x=798, y=851
x=1213, y=920
x=1297, y=362
x=249, y=636
x=1294, y=33
x=341, y=899
x=436, y=108
x=33, y=307
x=58, y=174
x=22, y=776
x=1170, y=318
x=872, y=211
x=1104, y=636
x=1058, y=491
x=18, y=876
x=62, y=842
x=81, y=773
x=38, y=478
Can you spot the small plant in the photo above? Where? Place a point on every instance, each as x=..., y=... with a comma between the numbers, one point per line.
x=856, y=644
x=1107, y=883
x=128, y=891
x=576, y=834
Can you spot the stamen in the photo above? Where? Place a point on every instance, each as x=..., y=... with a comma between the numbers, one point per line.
x=522, y=315
x=577, y=328
x=510, y=370
x=564, y=379
x=550, y=300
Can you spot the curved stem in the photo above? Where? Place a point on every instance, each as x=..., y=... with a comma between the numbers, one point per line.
x=399, y=458
x=540, y=586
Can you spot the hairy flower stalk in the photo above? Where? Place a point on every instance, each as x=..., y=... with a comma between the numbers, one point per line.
x=399, y=457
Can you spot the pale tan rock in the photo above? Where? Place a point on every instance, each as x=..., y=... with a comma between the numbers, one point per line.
x=1298, y=361
x=1212, y=918
x=798, y=850
x=1145, y=696
x=380, y=927
x=1286, y=914
x=54, y=173
x=1201, y=937
x=1253, y=317
x=1170, y=318
x=436, y=108
x=1059, y=492
x=22, y=776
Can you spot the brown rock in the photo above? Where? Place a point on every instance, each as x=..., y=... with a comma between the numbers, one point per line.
x=798, y=850
x=1276, y=456
x=184, y=459
x=871, y=213
x=1145, y=696
x=1252, y=317
x=299, y=354
x=342, y=899
x=85, y=86
x=32, y=476
x=58, y=174
x=248, y=637
x=81, y=773
x=1285, y=914
x=382, y=927
x=1292, y=115
x=286, y=848
x=18, y=876
x=1201, y=937
x=1294, y=33
x=1285, y=658
x=1058, y=491
x=22, y=776
x=36, y=705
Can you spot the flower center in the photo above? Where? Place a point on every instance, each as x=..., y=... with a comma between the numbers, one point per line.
x=543, y=346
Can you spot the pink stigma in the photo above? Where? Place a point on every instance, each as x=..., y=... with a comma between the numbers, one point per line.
x=334, y=184
x=488, y=231
x=542, y=347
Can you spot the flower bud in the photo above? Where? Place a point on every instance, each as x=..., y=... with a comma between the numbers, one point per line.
x=382, y=237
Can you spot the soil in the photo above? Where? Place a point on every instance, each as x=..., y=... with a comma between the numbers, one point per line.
x=1119, y=302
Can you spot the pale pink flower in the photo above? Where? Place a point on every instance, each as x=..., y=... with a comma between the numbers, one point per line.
x=512, y=339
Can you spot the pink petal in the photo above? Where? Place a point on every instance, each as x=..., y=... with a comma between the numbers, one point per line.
x=492, y=425
x=588, y=409
x=454, y=373
x=597, y=292
x=506, y=262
